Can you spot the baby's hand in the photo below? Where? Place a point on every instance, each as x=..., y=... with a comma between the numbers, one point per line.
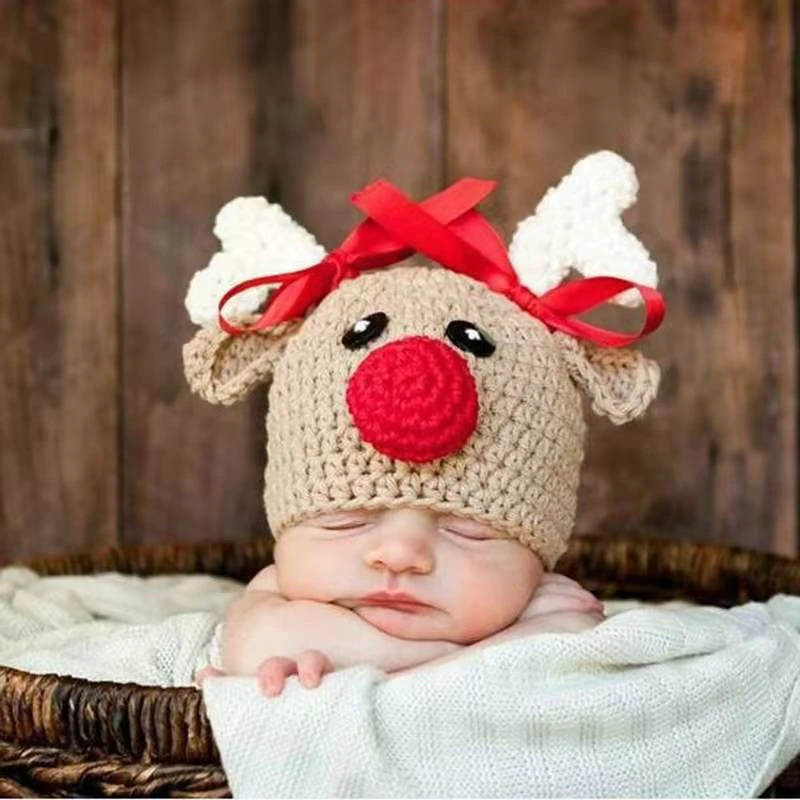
x=558, y=594
x=310, y=666
x=207, y=672
x=272, y=672
x=559, y=605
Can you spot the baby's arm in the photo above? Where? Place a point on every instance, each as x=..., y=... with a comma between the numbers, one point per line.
x=559, y=605
x=261, y=624
x=558, y=594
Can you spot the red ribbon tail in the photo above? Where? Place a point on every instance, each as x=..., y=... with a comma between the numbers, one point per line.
x=296, y=293
x=580, y=296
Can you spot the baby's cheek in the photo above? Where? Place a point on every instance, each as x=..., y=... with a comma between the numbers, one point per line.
x=295, y=579
x=486, y=607
x=308, y=573
x=303, y=585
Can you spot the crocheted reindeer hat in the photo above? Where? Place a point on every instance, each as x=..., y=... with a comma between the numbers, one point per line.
x=455, y=387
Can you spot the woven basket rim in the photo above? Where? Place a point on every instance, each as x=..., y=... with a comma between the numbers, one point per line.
x=169, y=725
x=160, y=552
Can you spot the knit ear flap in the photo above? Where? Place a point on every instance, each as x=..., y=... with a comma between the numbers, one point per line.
x=621, y=384
x=223, y=369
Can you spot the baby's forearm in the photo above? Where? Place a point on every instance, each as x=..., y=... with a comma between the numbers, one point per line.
x=261, y=631
x=497, y=638
x=558, y=622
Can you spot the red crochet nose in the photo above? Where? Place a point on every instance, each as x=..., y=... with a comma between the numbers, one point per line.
x=414, y=399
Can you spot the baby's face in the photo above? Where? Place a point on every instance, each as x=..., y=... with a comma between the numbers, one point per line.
x=475, y=580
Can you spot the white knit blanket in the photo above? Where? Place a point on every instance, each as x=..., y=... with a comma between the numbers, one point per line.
x=153, y=631
x=669, y=701
x=683, y=702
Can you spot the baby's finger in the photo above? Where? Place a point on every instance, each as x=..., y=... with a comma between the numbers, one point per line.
x=548, y=604
x=570, y=591
x=311, y=666
x=558, y=578
x=566, y=596
x=207, y=672
x=560, y=583
x=554, y=598
x=272, y=674
x=562, y=586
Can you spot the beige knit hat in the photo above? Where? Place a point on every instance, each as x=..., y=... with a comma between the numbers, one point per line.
x=418, y=386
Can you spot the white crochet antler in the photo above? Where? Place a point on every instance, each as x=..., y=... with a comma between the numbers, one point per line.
x=258, y=238
x=578, y=225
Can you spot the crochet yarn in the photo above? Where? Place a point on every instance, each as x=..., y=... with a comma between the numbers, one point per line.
x=517, y=471
x=396, y=386
x=414, y=400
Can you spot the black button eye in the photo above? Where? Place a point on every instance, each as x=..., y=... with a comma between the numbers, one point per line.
x=469, y=337
x=365, y=330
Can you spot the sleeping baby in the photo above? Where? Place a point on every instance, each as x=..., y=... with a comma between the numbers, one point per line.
x=395, y=588
x=425, y=425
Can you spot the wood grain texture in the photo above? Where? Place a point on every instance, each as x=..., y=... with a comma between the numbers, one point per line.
x=125, y=126
x=58, y=290
x=302, y=102
x=362, y=100
x=197, y=87
x=698, y=97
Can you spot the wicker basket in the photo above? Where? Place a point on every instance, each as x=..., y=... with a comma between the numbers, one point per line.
x=62, y=737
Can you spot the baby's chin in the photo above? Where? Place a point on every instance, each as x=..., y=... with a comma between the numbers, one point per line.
x=427, y=625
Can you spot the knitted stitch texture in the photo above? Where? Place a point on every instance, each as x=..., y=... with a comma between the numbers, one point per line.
x=517, y=469
x=418, y=386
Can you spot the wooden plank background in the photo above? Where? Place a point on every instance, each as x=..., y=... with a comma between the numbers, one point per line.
x=125, y=126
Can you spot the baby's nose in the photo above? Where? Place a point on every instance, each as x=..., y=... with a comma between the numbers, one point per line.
x=402, y=554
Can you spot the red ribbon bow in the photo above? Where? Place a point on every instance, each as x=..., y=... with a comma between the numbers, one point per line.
x=446, y=228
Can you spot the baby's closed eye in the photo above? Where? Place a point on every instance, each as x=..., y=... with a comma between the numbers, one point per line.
x=344, y=521
x=469, y=528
